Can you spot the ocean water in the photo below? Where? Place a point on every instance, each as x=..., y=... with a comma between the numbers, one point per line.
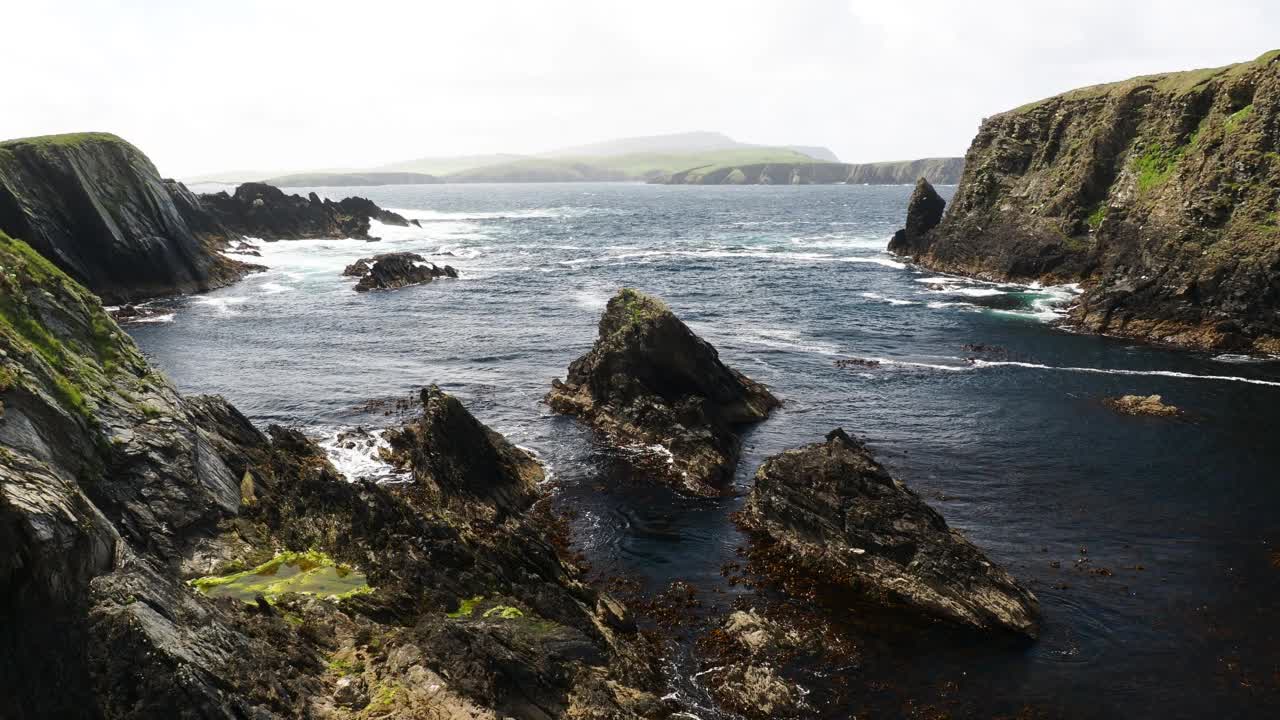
x=1175, y=613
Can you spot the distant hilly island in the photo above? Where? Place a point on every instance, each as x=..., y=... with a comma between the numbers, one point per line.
x=703, y=158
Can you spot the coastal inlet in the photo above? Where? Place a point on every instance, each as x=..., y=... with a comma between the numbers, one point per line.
x=1148, y=540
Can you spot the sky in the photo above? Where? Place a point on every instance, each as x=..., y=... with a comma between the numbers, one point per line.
x=218, y=85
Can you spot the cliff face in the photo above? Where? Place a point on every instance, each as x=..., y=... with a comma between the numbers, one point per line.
x=443, y=597
x=95, y=205
x=943, y=171
x=1161, y=194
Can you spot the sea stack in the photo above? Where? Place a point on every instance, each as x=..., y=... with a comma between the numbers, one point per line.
x=845, y=519
x=924, y=212
x=650, y=384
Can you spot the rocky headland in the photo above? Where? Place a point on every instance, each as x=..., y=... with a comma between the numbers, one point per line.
x=831, y=511
x=390, y=271
x=943, y=171
x=161, y=557
x=653, y=387
x=267, y=212
x=97, y=208
x=1160, y=194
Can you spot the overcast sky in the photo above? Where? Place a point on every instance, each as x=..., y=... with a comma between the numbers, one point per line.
x=226, y=84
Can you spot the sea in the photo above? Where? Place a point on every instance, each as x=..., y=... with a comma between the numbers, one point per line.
x=1153, y=544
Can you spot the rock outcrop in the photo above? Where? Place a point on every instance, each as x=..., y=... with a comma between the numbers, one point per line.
x=924, y=212
x=943, y=171
x=1160, y=194
x=1152, y=405
x=267, y=212
x=652, y=386
x=845, y=520
x=390, y=271
x=95, y=206
x=446, y=596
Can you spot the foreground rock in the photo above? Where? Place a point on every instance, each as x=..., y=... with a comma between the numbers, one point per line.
x=447, y=596
x=743, y=660
x=845, y=520
x=95, y=206
x=1158, y=193
x=1142, y=405
x=390, y=271
x=650, y=385
x=267, y=212
x=924, y=212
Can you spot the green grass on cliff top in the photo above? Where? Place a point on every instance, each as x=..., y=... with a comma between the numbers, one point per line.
x=1176, y=83
x=66, y=139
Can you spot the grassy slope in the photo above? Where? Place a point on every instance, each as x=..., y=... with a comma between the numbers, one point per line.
x=635, y=166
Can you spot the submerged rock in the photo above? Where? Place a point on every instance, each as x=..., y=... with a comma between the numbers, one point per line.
x=650, y=384
x=1142, y=405
x=847, y=521
x=924, y=212
x=264, y=211
x=390, y=271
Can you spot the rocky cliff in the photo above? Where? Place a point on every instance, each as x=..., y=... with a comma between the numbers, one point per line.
x=95, y=205
x=1161, y=194
x=943, y=171
x=267, y=212
x=160, y=557
x=652, y=386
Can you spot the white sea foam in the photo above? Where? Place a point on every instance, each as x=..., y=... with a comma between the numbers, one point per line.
x=892, y=301
x=972, y=364
x=160, y=318
x=362, y=462
x=222, y=304
x=785, y=339
x=1120, y=371
x=271, y=288
x=590, y=299
x=886, y=262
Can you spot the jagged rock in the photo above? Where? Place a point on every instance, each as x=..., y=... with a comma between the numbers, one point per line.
x=924, y=212
x=265, y=211
x=390, y=271
x=95, y=206
x=850, y=523
x=452, y=453
x=1142, y=405
x=1158, y=194
x=742, y=660
x=650, y=384
x=113, y=486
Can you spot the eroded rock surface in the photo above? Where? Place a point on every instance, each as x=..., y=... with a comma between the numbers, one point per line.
x=1142, y=405
x=924, y=212
x=390, y=271
x=649, y=384
x=96, y=207
x=1160, y=194
x=846, y=520
x=115, y=490
x=267, y=212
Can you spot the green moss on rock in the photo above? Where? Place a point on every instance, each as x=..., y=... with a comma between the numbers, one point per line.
x=306, y=573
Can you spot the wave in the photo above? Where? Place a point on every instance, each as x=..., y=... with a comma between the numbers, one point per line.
x=785, y=339
x=271, y=288
x=223, y=305
x=971, y=364
x=1120, y=371
x=362, y=461
x=886, y=262
x=159, y=318
x=891, y=301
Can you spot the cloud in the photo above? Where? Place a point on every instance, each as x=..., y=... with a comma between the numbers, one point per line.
x=293, y=85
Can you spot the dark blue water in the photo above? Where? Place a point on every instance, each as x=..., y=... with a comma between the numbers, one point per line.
x=1017, y=451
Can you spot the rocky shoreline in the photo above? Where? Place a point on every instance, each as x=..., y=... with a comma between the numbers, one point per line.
x=1157, y=194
